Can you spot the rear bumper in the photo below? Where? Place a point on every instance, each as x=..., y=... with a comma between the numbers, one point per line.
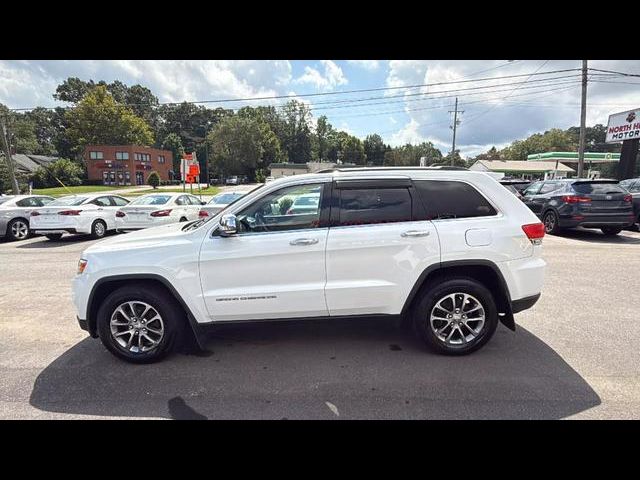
x=524, y=303
x=596, y=220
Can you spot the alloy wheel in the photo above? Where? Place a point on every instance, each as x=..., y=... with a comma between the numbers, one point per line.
x=136, y=326
x=549, y=222
x=19, y=230
x=457, y=319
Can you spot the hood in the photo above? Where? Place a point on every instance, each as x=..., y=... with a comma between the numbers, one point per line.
x=149, y=237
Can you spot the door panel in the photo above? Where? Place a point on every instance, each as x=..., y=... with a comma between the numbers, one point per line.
x=265, y=275
x=372, y=268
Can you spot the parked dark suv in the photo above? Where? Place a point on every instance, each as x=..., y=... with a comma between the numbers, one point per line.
x=571, y=203
x=633, y=187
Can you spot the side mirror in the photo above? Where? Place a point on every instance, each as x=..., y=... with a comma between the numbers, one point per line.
x=228, y=225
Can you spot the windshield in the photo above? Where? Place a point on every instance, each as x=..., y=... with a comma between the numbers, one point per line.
x=151, y=200
x=67, y=201
x=225, y=198
x=598, y=187
x=198, y=223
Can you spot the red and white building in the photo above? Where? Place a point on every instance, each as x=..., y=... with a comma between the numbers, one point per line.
x=126, y=164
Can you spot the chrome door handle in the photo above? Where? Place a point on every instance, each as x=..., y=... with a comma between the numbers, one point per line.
x=416, y=233
x=304, y=241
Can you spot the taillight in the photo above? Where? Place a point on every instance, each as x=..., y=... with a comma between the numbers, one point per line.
x=161, y=213
x=120, y=214
x=575, y=199
x=628, y=198
x=534, y=232
x=70, y=212
x=203, y=213
x=35, y=213
x=82, y=264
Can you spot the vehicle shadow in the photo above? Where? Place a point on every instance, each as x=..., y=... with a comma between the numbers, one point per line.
x=596, y=236
x=365, y=369
x=44, y=242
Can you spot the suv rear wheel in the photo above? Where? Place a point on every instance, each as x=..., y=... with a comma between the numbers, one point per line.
x=457, y=316
x=550, y=221
x=139, y=323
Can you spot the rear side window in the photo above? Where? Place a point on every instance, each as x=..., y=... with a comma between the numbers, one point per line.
x=29, y=202
x=119, y=201
x=550, y=187
x=452, y=199
x=597, y=188
x=369, y=206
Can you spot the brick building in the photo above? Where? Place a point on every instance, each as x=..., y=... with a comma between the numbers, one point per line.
x=126, y=164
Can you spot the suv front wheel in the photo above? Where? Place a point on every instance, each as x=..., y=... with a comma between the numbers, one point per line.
x=456, y=316
x=139, y=323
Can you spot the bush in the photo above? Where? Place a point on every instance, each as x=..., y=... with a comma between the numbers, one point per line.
x=153, y=180
x=67, y=171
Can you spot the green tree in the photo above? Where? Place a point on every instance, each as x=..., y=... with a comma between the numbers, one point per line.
x=323, y=137
x=66, y=171
x=236, y=146
x=153, y=180
x=99, y=119
x=296, y=136
x=174, y=143
x=191, y=122
x=353, y=151
x=374, y=149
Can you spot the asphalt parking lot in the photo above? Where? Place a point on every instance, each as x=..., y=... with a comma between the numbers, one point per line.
x=574, y=355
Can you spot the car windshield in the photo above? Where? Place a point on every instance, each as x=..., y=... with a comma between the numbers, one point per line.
x=151, y=200
x=67, y=201
x=598, y=187
x=225, y=198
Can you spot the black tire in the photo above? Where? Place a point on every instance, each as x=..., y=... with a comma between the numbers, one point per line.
x=439, y=290
x=98, y=229
x=16, y=229
x=611, y=231
x=550, y=220
x=172, y=316
x=54, y=236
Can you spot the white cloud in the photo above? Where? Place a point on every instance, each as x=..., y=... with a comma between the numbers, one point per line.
x=366, y=64
x=331, y=78
x=31, y=83
x=501, y=117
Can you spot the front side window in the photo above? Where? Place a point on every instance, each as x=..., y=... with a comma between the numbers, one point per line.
x=274, y=212
x=370, y=206
x=452, y=199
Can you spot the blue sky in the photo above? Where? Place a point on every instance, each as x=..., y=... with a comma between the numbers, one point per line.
x=496, y=111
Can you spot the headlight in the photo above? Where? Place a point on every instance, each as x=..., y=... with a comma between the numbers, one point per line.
x=82, y=264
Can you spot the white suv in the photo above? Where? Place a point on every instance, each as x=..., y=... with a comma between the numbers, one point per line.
x=453, y=251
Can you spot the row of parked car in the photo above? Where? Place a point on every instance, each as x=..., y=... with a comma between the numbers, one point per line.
x=24, y=215
x=608, y=205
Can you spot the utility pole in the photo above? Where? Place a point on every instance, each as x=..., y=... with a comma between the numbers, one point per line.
x=583, y=120
x=456, y=122
x=9, y=159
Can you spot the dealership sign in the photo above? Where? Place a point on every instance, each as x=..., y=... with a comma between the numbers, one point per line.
x=623, y=126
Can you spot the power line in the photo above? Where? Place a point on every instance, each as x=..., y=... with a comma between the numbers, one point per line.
x=617, y=73
x=342, y=92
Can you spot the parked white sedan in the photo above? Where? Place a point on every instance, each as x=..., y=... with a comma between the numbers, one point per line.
x=93, y=214
x=158, y=209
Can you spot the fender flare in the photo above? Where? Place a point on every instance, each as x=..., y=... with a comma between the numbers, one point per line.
x=91, y=320
x=506, y=316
